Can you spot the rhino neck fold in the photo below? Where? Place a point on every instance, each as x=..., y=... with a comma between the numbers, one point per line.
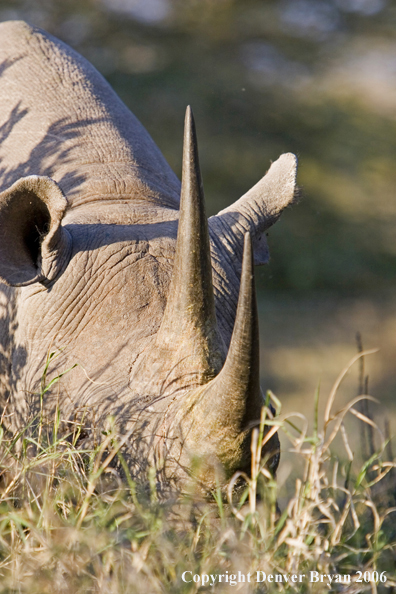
x=114, y=182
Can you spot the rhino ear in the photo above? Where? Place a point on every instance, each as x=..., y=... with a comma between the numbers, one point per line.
x=34, y=246
x=258, y=209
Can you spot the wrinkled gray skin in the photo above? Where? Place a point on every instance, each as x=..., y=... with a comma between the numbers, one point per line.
x=89, y=213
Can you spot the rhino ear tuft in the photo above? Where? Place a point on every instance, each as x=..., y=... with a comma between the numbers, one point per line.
x=33, y=244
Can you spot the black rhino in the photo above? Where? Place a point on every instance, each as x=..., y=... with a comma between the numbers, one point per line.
x=91, y=269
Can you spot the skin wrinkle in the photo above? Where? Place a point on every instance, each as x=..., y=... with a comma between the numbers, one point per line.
x=73, y=301
x=225, y=244
x=71, y=297
x=103, y=296
x=81, y=298
x=126, y=213
x=226, y=286
x=75, y=322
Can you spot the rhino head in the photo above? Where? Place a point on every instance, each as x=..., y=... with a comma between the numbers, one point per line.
x=100, y=263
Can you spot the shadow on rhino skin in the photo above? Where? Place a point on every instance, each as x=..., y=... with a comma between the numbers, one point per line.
x=47, y=156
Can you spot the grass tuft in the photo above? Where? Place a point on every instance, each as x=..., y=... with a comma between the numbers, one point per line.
x=70, y=523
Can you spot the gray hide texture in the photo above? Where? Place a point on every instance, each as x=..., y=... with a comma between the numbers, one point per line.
x=89, y=214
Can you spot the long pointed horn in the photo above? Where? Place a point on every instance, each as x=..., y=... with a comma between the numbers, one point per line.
x=189, y=322
x=238, y=383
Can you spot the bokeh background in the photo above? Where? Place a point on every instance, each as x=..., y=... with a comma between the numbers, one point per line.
x=315, y=77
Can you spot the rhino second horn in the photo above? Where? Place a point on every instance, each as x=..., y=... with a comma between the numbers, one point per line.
x=222, y=413
x=237, y=387
x=189, y=318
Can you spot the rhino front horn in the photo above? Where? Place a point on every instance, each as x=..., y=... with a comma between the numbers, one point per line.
x=189, y=323
x=189, y=351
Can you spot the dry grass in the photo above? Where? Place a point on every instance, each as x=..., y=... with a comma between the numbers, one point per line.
x=69, y=523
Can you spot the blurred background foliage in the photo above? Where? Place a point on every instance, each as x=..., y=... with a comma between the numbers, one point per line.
x=314, y=77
